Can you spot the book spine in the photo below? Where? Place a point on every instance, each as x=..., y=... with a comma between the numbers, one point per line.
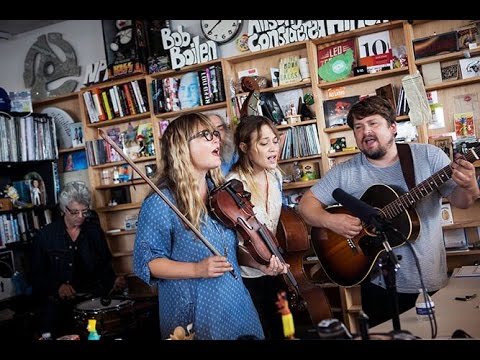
x=106, y=104
x=128, y=96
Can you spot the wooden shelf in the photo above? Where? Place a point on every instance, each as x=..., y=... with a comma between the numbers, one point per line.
x=298, y=184
x=460, y=224
x=335, y=129
x=201, y=108
x=305, y=122
x=301, y=45
x=116, y=163
x=286, y=161
x=343, y=153
x=280, y=88
x=55, y=99
x=452, y=83
x=463, y=252
x=120, y=120
x=117, y=80
x=362, y=78
x=120, y=207
x=69, y=150
x=447, y=57
x=125, y=183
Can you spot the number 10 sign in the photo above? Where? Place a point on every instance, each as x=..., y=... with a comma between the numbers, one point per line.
x=374, y=44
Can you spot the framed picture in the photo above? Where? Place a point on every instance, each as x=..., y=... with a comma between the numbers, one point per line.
x=76, y=132
x=445, y=143
x=75, y=160
x=450, y=72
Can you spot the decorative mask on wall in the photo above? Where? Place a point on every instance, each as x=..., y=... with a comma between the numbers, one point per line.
x=42, y=66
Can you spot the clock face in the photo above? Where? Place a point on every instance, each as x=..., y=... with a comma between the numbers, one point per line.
x=220, y=31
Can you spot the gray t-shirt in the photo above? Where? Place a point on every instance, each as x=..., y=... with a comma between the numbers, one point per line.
x=356, y=175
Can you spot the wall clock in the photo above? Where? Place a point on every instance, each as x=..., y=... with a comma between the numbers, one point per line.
x=220, y=31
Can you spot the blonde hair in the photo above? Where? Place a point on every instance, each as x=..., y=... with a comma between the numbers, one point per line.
x=244, y=133
x=176, y=169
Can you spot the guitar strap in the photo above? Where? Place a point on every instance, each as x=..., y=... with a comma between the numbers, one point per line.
x=406, y=162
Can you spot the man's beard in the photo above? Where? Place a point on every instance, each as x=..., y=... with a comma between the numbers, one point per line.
x=227, y=150
x=380, y=151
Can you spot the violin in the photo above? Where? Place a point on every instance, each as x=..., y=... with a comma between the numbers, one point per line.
x=231, y=205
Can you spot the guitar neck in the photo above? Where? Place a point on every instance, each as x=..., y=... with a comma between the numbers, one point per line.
x=426, y=187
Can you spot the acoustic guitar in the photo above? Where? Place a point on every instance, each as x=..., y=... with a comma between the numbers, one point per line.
x=347, y=262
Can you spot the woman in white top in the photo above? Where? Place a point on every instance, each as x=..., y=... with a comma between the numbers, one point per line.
x=257, y=142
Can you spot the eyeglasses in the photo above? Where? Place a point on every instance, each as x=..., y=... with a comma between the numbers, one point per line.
x=84, y=213
x=207, y=134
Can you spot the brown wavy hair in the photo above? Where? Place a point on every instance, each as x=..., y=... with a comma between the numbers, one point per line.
x=243, y=134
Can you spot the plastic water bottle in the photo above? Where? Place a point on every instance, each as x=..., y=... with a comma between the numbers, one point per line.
x=423, y=310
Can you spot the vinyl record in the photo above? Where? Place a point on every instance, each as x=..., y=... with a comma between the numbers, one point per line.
x=62, y=125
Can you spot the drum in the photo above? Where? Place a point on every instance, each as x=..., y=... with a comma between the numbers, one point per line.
x=113, y=320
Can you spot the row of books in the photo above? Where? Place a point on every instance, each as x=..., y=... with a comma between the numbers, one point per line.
x=21, y=226
x=192, y=89
x=301, y=141
x=402, y=103
x=27, y=138
x=135, y=142
x=117, y=101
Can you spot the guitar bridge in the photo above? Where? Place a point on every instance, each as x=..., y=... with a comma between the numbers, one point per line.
x=352, y=246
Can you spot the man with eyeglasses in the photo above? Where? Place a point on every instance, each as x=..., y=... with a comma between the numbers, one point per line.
x=71, y=261
x=228, y=152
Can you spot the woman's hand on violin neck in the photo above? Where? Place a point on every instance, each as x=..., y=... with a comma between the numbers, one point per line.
x=275, y=267
x=213, y=266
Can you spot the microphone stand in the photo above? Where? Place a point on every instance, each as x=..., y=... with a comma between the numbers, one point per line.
x=389, y=265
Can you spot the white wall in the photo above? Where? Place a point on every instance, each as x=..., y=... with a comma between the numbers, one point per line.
x=86, y=38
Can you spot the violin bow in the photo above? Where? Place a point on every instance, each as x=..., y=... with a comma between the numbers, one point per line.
x=202, y=238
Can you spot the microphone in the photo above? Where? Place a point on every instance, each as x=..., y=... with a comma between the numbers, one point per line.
x=369, y=216
x=360, y=209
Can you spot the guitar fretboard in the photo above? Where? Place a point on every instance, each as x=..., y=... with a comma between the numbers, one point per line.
x=409, y=199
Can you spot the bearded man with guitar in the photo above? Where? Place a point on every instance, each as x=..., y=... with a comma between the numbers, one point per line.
x=349, y=249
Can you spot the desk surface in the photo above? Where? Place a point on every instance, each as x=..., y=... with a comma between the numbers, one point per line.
x=451, y=314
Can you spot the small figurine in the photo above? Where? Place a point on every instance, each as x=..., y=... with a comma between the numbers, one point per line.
x=92, y=331
x=179, y=333
x=287, y=318
x=36, y=200
x=141, y=145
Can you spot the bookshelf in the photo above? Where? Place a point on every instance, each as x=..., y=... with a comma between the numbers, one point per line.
x=122, y=122
x=447, y=90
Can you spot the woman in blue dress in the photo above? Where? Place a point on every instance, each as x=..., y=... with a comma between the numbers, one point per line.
x=194, y=286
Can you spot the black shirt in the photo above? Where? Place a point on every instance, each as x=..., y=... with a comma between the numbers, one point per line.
x=84, y=263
